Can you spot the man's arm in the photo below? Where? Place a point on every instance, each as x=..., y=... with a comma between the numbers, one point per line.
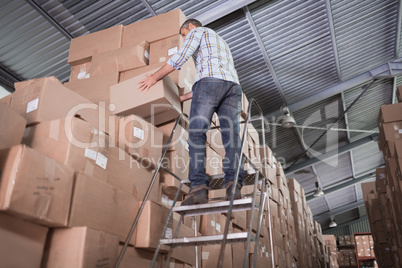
x=186, y=96
x=151, y=80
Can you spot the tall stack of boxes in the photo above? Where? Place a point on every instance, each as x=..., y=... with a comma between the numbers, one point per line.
x=332, y=249
x=76, y=160
x=382, y=197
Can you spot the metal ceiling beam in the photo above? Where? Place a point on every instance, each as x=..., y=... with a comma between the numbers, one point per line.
x=340, y=87
x=333, y=212
x=50, y=19
x=149, y=7
x=333, y=38
x=398, y=30
x=220, y=10
x=8, y=78
x=264, y=54
x=344, y=185
x=343, y=149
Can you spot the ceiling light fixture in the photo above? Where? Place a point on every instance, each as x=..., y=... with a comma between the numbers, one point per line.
x=332, y=223
x=287, y=120
x=318, y=191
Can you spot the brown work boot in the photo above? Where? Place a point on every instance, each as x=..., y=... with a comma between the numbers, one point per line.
x=197, y=195
x=237, y=194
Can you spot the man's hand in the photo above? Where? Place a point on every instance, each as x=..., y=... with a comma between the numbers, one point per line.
x=148, y=82
x=186, y=96
x=151, y=80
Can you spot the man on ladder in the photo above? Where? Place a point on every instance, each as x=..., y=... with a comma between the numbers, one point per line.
x=216, y=89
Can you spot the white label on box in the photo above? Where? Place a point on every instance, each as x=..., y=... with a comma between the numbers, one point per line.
x=218, y=227
x=162, y=59
x=32, y=105
x=172, y=51
x=87, y=76
x=212, y=223
x=184, y=143
x=91, y=154
x=101, y=161
x=165, y=200
x=170, y=202
x=205, y=255
x=138, y=133
x=146, y=54
x=82, y=75
x=169, y=233
x=400, y=131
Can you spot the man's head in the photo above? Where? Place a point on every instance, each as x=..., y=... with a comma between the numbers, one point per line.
x=188, y=25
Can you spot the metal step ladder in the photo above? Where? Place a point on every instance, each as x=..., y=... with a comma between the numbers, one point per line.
x=226, y=207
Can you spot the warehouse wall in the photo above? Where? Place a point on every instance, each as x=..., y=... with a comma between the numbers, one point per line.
x=359, y=226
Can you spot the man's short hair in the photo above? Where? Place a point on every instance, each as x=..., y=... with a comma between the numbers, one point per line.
x=195, y=22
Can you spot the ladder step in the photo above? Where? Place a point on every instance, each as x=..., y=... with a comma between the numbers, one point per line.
x=206, y=240
x=211, y=208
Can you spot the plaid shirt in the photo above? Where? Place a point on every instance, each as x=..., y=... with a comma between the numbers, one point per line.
x=211, y=55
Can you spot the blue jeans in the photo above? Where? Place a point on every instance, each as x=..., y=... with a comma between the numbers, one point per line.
x=223, y=97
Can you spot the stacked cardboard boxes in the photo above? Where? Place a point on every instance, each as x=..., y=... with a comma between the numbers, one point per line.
x=382, y=197
x=77, y=158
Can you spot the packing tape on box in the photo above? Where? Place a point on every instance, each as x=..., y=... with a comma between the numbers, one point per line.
x=50, y=168
x=54, y=130
x=43, y=205
x=89, y=168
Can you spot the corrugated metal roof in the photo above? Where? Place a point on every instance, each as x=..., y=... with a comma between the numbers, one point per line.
x=334, y=170
x=365, y=33
x=364, y=113
x=366, y=158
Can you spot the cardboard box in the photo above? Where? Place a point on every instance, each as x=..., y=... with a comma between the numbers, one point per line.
x=399, y=93
x=138, y=257
x=120, y=60
x=183, y=78
x=179, y=165
x=6, y=100
x=151, y=224
x=74, y=143
x=179, y=139
x=389, y=113
x=81, y=247
x=95, y=88
x=80, y=72
x=210, y=256
x=389, y=132
x=158, y=105
x=129, y=175
x=21, y=243
x=141, y=140
x=12, y=127
x=45, y=99
x=102, y=207
x=34, y=186
x=213, y=163
x=153, y=28
x=84, y=47
x=163, y=49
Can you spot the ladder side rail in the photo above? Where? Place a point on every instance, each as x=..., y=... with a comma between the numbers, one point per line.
x=236, y=179
x=250, y=227
x=166, y=224
x=263, y=197
x=174, y=236
x=265, y=159
x=130, y=234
